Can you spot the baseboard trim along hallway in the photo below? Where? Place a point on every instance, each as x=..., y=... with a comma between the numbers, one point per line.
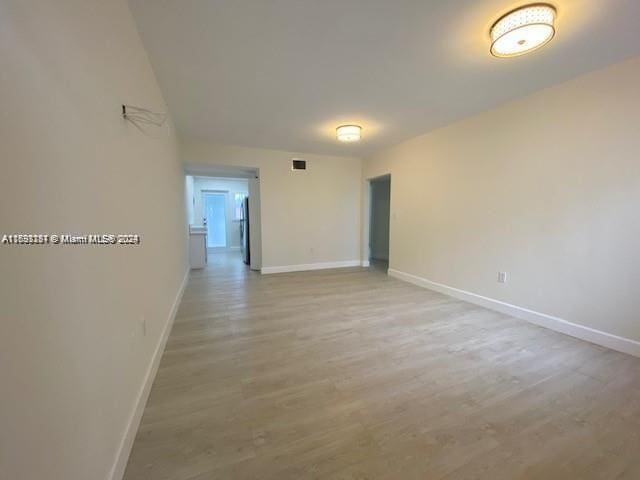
x=311, y=266
x=122, y=456
x=604, y=339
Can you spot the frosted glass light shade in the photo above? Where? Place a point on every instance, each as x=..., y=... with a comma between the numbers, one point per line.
x=348, y=133
x=523, y=30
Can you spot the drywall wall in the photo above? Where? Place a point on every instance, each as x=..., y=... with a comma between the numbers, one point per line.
x=231, y=187
x=189, y=198
x=74, y=352
x=255, y=225
x=379, y=228
x=307, y=217
x=545, y=188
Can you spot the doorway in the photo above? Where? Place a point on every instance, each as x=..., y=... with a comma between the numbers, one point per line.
x=223, y=215
x=379, y=216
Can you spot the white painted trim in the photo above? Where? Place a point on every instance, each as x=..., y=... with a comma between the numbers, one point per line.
x=310, y=266
x=124, y=449
x=608, y=340
x=366, y=263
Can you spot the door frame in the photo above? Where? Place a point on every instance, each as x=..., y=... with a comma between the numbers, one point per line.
x=366, y=223
x=250, y=172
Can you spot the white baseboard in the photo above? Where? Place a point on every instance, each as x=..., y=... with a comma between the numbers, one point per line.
x=608, y=340
x=310, y=266
x=366, y=263
x=122, y=456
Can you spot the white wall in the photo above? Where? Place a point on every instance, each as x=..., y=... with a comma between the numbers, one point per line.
x=73, y=354
x=229, y=185
x=379, y=231
x=190, y=199
x=255, y=224
x=546, y=188
x=310, y=216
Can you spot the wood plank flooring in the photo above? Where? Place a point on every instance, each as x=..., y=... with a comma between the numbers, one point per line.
x=351, y=374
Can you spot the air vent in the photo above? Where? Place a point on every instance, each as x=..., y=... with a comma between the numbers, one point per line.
x=298, y=164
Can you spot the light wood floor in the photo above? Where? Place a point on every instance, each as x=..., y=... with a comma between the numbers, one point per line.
x=345, y=374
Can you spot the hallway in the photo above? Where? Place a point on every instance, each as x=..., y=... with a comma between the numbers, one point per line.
x=352, y=374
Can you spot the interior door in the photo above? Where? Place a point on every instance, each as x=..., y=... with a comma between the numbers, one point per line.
x=215, y=218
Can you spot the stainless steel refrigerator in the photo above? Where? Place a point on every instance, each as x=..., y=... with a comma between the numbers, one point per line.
x=244, y=232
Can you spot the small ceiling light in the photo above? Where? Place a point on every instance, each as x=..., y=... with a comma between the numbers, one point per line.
x=348, y=133
x=523, y=30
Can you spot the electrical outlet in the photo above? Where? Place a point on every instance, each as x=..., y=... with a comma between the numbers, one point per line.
x=502, y=277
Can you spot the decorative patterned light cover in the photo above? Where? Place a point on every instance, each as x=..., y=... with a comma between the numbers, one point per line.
x=523, y=30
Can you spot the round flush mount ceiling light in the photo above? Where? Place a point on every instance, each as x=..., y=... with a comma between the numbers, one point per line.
x=523, y=30
x=348, y=133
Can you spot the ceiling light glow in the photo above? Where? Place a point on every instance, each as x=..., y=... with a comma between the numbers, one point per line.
x=348, y=133
x=523, y=30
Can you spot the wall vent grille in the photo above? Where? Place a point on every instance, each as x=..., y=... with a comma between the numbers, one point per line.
x=297, y=164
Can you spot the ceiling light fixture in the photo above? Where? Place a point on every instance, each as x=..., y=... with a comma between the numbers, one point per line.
x=523, y=30
x=348, y=133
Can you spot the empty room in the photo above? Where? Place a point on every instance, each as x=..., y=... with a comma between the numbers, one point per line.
x=319, y=239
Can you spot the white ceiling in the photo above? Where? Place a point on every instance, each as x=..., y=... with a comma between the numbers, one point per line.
x=284, y=73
